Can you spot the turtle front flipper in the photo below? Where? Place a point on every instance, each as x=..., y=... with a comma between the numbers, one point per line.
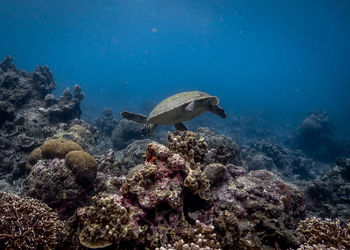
x=180, y=126
x=148, y=128
x=134, y=117
x=217, y=110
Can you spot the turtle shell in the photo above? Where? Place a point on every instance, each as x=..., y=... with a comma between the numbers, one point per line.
x=171, y=109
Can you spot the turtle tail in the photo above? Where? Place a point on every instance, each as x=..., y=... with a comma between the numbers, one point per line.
x=134, y=117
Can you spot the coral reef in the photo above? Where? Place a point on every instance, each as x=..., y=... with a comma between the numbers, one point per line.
x=132, y=155
x=26, y=223
x=222, y=149
x=106, y=123
x=106, y=222
x=79, y=135
x=329, y=196
x=267, y=209
x=61, y=174
x=315, y=136
x=200, y=236
x=29, y=114
x=279, y=159
x=241, y=210
x=188, y=146
x=326, y=234
x=53, y=183
x=124, y=133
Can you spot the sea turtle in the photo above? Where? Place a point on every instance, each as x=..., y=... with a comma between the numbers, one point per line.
x=176, y=109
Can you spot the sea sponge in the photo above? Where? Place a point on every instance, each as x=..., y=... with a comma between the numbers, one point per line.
x=83, y=165
x=33, y=158
x=26, y=223
x=58, y=148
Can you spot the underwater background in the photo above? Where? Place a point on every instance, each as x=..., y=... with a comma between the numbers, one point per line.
x=77, y=172
x=284, y=58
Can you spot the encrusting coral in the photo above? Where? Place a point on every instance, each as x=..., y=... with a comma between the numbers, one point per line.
x=26, y=223
x=326, y=234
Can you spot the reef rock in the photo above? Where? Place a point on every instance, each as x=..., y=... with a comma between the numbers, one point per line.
x=29, y=114
x=315, y=136
x=266, y=208
x=292, y=165
x=329, y=196
x=106, y=123
x=222, y=149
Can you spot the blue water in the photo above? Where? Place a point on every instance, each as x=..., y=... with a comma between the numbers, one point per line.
x=283, y=57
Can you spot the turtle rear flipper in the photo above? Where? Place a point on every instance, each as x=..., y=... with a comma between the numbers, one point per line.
x=217, y=110
x=134, y=117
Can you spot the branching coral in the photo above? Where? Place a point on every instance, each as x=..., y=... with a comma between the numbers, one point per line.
x=330, y=233
x=26, y=223
x=107, y=222
x=200, y=236
x=186, y=144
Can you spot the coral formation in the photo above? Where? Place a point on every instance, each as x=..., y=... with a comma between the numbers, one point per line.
x=53, y=183
x=199, y=236
x=329, y=196
x=53, y=148
x=279, y=159
x=132, y=155
x=222, y=149
x=124, y=133
x=82, y=165
x=28, y=115
x=328, y=233
x=106, y=222
x=106, y=123
x=315, y=136
x=58, y=148
x=262, y=203
x=186, y=144
x=26, y=223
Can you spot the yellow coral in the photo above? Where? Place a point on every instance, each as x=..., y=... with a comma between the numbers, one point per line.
x=58, y=148
x=33, y=158
x=83, y=165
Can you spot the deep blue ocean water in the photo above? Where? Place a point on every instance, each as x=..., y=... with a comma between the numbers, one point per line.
x=282, y=57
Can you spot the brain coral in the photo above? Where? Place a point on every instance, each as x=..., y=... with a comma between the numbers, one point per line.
x=26, y=223
x=58, y=148
x=54, y=148
x=83, y=166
